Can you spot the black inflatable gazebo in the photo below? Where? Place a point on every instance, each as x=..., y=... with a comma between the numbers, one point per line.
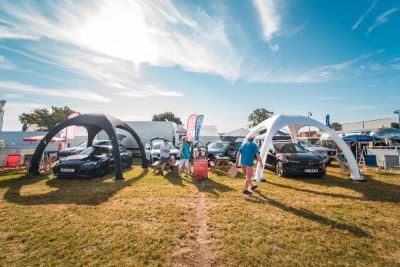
x=93, y=123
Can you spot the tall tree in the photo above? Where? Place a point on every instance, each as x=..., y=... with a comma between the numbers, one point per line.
x=259, y=115
x=336, y=126
x=45, y=119
x=167, y=116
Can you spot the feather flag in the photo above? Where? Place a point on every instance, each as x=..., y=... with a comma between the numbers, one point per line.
x=190, y=127
x=199, y=122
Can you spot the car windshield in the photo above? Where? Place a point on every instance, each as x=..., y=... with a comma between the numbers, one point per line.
x=87, y=151
x=96, y=142
x=236, y=146
x=305, y=144
x=97, y=151
x=289, y=148
x=218, y=145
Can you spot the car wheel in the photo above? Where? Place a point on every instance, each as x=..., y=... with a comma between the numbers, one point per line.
x=128, y=163
x=100, y=172
x=321, y=175
x=279, y=169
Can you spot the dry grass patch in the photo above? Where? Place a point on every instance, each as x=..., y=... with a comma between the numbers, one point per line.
x=162, y=221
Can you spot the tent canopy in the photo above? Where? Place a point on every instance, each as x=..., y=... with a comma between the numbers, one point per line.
x=93, y=123
x=360, y=138
x=294, y=124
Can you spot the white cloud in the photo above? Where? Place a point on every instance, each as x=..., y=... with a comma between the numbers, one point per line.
x=158, y=33
x=330, y=98
x=360, y=19
x=6, y=64
x=349, y=68
x=81, y=94
x=270, y=20
x=381, y=19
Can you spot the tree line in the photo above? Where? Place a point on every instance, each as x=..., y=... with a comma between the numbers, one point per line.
x=44, y=119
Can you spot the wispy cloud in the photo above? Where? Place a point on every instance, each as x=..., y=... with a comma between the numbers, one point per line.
x=367, y=107
x=81, y=94
x=270, y=20
x=158, y=33
x=360, y=19
x=330, y=98
x=350, y=68
x=11, y=95
x=5, y=64
x=381, y=19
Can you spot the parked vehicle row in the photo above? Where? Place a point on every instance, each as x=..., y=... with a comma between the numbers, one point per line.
x=284, y=158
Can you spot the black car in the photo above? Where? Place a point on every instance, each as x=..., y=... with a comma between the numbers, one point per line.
x=78, y=149
x=224, y=149
x=94, y=161
x=292, y=159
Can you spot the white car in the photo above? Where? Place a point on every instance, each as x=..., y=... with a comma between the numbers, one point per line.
x=153, y=151
x=326, y=153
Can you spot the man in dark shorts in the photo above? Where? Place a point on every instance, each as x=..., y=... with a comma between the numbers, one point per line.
x=165, y=149
x=247, y=152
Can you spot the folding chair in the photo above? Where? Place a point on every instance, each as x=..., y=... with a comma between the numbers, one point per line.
x=13, y=161
x=391, y=162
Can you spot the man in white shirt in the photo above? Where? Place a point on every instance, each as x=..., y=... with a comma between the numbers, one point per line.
x=165, y=150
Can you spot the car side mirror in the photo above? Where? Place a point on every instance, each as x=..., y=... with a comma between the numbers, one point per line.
x=147, y=147
x=271, y=151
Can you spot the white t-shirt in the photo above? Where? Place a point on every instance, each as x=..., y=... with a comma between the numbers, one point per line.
x=165, y=147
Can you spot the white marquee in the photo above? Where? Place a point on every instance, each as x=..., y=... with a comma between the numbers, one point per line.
x=294, y=123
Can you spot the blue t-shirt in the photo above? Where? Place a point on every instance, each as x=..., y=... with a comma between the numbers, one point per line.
x=185, y=151
x=248, y=151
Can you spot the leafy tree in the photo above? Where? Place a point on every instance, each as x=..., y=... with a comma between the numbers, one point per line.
x=336, y=126
x=167, y=116
x=395, y=125
x=259, y=115
x=45, y=119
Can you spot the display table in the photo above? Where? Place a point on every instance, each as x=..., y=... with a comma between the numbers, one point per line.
x=221, y=163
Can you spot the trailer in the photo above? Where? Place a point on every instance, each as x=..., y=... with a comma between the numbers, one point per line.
x=146, y=131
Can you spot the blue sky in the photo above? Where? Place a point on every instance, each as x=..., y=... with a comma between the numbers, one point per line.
x=223, y=59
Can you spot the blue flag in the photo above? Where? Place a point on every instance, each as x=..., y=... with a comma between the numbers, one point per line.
x=328, y=122
x=199, y=122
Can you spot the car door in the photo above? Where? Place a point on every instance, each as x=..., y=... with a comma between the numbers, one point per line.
x=271, y=158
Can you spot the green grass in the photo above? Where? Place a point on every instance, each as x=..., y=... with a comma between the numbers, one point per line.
x=162, y=220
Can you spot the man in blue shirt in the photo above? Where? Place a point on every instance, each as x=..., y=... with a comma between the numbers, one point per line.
x=184, y=162
x=247, y=152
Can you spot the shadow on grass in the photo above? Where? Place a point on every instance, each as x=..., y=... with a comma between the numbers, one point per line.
x=212, y=187
x=67, y=191
x=173, y=178
x=373, y=190
x=306, y=214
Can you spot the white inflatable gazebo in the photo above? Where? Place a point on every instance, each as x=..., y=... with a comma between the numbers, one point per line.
x=294, y=124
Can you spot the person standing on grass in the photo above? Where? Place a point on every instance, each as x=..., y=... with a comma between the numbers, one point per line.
x=165, y=150
x=247, y=152
x=184, y=163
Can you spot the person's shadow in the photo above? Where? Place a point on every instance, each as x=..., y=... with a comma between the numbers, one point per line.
x=67, y=191
x=260, y=198
x=372, y=190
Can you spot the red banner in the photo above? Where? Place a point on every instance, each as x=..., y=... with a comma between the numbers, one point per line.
x=200, y=169
x=190, y=127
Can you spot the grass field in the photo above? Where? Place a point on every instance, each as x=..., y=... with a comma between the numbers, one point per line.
x=162, y=221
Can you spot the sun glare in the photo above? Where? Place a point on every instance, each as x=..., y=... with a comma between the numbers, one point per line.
x=118, y=29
